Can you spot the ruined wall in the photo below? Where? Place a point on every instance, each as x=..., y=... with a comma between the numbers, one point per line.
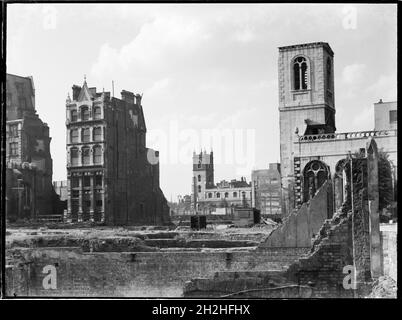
x=389, y=249
x=140, y=274
x=317, y=275
x=301, y=226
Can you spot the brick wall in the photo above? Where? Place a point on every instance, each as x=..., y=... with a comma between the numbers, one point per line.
x=137, y=274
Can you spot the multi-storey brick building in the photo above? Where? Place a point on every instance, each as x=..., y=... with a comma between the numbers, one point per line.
x=112, y=176
x=266, y=190
x=29, y=189
x=311, y=150
x=207, y=196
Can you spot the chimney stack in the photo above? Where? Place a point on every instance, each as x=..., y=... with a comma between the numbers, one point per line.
x=127, y=96
x=76, y=92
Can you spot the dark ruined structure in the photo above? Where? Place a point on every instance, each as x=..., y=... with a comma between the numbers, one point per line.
x=112, y=176
x=29, y=189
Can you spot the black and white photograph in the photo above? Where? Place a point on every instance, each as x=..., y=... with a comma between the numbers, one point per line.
x=220, y=151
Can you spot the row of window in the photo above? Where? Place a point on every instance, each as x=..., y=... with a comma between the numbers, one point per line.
x=86, y=135
x=86, y=204
x=224, y=194
x=85, y=114
x=86, y=155
x=86, y=181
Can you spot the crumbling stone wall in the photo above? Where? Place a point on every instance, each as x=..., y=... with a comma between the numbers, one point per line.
x=302, y=225
x=342, y=243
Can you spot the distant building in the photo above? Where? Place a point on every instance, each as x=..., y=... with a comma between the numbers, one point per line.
x=206, y=196
x=60, y=187
x=266, y=190
x=385, y=116
x=181, y=207
x=112, y=176
x=29, y=189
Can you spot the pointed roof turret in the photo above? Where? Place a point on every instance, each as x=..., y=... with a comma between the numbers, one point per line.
x=85, y=93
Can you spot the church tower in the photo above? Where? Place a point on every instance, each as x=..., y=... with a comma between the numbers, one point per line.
x=203, y=175
x=306, y=103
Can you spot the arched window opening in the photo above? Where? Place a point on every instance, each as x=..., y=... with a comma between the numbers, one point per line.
x=85, y=155
x=199, y=178
x=300, y=74
x=74, y=156
x=199, y=189
x=85, y=135
x=73, y=115
x=226, y=194
x=97, y=113
x=329, y=74
x=218, y=195
x=74, y=135
x=210, y=195
x=315, y=175
x=97, y=133
x=84, y=113
x=339, y=183
x=235, y=194
x=97, y=154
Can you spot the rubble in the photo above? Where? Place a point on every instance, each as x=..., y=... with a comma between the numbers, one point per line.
x=384, y=287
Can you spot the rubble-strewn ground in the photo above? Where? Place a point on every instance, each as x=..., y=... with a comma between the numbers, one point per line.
x=118, y=239
x=384, y=287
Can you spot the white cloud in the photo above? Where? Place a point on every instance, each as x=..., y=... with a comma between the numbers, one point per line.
x=384, y=88
x=364, y=120
x=354, y=74
x=157, y=44
x=245, y=36
x=159, y=87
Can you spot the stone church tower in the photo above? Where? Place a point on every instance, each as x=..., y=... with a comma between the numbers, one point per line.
x=203, y=175
x=306, y=104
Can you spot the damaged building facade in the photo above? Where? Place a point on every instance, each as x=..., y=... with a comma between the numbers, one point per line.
x=112, y=176
x=207, y=196
x=311, y=150
x=266, y=190
x=29, y=189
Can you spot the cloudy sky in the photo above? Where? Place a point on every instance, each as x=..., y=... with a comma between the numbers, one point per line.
x=204, y=70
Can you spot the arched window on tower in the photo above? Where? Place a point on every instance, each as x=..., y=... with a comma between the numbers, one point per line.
x=300, y=74
x=329, y=74
x=199, y=178
x=199, y=189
